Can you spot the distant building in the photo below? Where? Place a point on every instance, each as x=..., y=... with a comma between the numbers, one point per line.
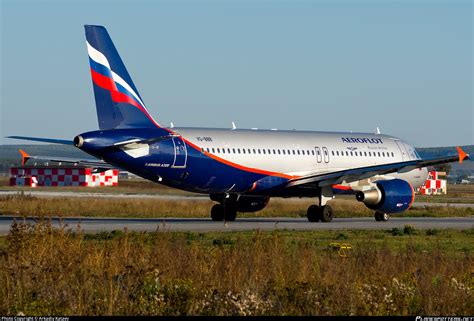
x=62, y=176
x=435, y=184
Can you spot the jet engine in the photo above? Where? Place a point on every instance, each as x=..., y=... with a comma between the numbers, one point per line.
x=388, y=196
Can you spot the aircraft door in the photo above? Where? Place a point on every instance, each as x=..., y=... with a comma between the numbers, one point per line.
x=402, y=149
x=318, y=154
x=180, y=153
x=326, y=155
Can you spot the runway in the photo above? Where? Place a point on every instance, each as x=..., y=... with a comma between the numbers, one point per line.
x=93, y=225
x=52, y=194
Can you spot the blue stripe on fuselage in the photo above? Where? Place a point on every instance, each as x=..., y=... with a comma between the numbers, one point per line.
x=201, y=174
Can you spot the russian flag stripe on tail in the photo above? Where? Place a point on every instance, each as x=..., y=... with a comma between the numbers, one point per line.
x=118, y=102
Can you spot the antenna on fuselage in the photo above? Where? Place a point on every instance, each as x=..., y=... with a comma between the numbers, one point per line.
x=233, y=126
x=171, y=125
x=377, y=131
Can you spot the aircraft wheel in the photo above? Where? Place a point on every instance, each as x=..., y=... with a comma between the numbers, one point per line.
x=217, y=212
x=381, y=217
x=230, y=214
x=313, y=214
x=327, y=213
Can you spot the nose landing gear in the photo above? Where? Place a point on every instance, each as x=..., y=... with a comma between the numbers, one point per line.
x=381, y=217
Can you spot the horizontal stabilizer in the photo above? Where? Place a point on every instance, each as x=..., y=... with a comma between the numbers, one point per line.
x=44, y=140
x=66, y=160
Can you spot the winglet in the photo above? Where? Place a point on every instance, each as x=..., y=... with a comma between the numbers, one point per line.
x=24, y=157
x=462, y=154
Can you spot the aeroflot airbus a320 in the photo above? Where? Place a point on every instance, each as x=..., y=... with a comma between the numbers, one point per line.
x=242, y=169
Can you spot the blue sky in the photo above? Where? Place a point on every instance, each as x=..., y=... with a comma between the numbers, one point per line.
x=404, y=66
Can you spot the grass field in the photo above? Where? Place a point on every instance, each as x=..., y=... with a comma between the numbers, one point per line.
x=25, y=205
x=45, y=271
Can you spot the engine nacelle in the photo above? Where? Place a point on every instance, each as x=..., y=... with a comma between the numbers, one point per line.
x=388, y=196
x=245, y=203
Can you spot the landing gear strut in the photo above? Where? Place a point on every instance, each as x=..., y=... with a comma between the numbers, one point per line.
x=323, y=212
x=225, y=211
x=381, y=217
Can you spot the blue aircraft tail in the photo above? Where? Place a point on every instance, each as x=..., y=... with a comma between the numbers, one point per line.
x=118, y=102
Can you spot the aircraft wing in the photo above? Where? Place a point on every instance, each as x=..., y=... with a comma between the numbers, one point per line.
x=67, y=160
x=356, y=174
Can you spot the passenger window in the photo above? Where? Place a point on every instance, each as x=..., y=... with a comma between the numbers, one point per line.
x=278, y=152
x=298, y=151
x=283, y=151
x=378, y=153
x=223, y=150
x=263, y=150
x=243, y=150
x=213, y=151
x=393, y=155
x=365, y=153
x=312, y=152
x=238, y=150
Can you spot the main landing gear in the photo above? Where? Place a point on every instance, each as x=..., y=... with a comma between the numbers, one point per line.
x=323, y=212
x=226, y=210
x=320, y=213
x=381, y=217
x=221, y=212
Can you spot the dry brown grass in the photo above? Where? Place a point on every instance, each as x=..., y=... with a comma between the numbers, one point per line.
x=26, y=205
x=44, y=271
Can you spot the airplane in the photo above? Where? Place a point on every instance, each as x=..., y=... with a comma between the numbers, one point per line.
x=241, y=169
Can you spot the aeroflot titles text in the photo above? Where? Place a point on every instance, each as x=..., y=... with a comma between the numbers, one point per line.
x=362, y=140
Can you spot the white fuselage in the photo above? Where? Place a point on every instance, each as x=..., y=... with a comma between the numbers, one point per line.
x=300, y=153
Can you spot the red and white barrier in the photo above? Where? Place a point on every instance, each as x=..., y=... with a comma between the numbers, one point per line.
x=24, y=181
x=433, y=185
x=64, y=176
